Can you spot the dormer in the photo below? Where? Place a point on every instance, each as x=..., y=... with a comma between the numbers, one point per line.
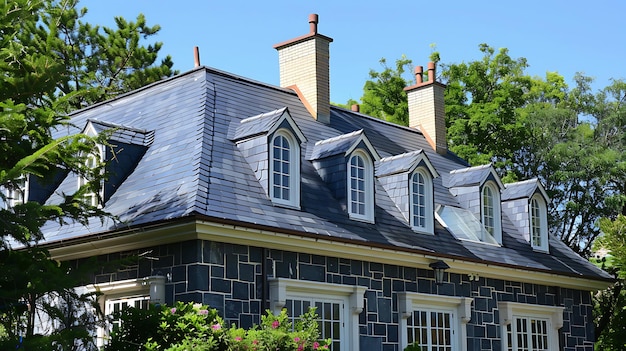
x=408, y=180
x=270, y=142
x=346, y=164
x=478, y=190
x=526, y=205
x=125, y=147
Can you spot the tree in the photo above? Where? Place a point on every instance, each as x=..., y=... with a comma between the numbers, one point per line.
x=50, y=64
x=611, y=303
x=384, y=96
x=572, y=139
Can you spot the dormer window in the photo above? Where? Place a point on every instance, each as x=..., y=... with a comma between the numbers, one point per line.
x=490, y=209
x=421, y=201
x=18, y=193
x=284, y=169
x=538, y=223
x=360, y=187
x=270, y=143
x=92, y=161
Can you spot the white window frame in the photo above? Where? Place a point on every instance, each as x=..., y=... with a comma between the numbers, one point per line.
x=510, y=311
x=539, y=213
x=459, y=307
x=282, y=289
x=497, y=210
x=429, y=215
x=151, y=288
x=18, y=195
x=294, y=170
x=368, y=190
x=92, y=160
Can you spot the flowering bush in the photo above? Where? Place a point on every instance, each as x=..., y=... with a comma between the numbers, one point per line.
x=194, y=327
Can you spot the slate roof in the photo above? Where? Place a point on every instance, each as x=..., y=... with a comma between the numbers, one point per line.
x=191, y=168
x=521, y=189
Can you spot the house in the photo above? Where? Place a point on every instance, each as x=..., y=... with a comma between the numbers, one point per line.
x=247, y=196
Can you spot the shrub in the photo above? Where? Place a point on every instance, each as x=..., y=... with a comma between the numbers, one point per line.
x=196, y=327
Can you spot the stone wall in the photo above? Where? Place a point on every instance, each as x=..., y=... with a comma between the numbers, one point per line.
x=229, y=278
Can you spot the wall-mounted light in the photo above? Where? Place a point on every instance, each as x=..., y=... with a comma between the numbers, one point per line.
x=439, y=267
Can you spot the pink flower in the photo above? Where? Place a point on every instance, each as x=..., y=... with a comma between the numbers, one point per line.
x=203, y=312
x=173, y=310
x=275, y=324
x=238, y=338
x=216, y=326
x=316, y=345
x=300, y=347
x=296, y=339
x=254, y=342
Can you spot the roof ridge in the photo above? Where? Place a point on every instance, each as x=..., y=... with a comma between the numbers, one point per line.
x=406, y=154
x=339, y=137
x=469, y=169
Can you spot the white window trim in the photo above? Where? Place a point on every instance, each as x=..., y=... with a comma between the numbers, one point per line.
x=543, y=222
x=497, y=209
x=294, y=170
x=153, y=286
x=428, y=198
x=82, y=180
x=22, y=192
x=554, y=314
x=282, y=288
x=368, y=216
x=411, y=301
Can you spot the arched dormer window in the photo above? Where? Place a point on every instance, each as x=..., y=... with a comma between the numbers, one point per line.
x=360, y=187
x=421, y=201
x=538, y=223
x=490, y=210
x=285, y=169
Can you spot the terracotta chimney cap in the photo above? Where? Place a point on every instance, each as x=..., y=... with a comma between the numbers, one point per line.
x=355, y=108
x=196, y=56
x=431, y=65
x=313, y=21
x=419, y=70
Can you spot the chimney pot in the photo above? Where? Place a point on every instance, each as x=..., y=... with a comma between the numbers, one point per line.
x=196, y=56
x=419, y=71
x=355, y=108
x=431, y=72
x=313, y=21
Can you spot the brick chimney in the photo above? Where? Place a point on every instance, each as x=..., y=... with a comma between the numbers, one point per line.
x=304, y=67
x=427, y=110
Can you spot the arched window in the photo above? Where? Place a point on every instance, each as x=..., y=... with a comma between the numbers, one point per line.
x=490, y=208
x=284, y=170
x=360, y=187
x=538, y=223
x=421, y=201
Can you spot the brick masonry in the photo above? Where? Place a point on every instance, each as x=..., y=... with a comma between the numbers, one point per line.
x=229, y=278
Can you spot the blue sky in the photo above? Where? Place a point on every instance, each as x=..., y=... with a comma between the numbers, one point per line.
x=237, y=36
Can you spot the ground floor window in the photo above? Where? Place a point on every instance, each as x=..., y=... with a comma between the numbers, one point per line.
x=433, y=322
x=115, y=296
x=338, y=307
x=431, y=329
x=113, y=306
x=331, y=314
x=530, y=327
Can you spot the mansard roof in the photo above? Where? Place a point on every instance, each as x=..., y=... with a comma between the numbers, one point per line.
x=192, y=169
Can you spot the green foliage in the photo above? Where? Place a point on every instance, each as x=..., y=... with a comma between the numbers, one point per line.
x=610, y=307
x=53, y=63
x=413, y=347
x=384, y=96
x=189, y=326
